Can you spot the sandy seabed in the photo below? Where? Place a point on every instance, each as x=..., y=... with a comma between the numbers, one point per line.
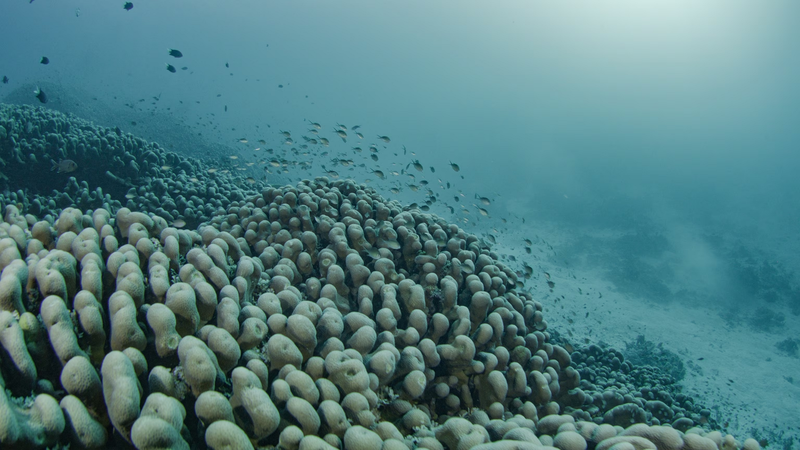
x=733, y=370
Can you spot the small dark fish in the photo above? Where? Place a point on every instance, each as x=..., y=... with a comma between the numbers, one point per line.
x=374, y=157
x=40, y=95
x=171, y=68
x=184, y=68
x=227, y=65
x=128, y=6
x=483, y=200
x=454, y=166
x=280, y=86
x=5, y=79
x=385, y=139
x=433, y=170
x=175, y=53
x=64, y=166
x=45, y=60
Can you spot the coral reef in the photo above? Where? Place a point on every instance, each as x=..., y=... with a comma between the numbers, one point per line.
x=313, y=315
x=642, y=352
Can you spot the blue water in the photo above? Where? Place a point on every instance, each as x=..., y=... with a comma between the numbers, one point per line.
x=670, y=126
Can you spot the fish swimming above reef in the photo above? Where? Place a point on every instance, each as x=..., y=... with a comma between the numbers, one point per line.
x=454, y=166
x=331, y=173
x=40, y=95
x=5, y=79
x=45, y=60
x=483, y=200
x=128, y=6
x=64, y=166
x=385, y=139
x=175, y=53
x=171, y=68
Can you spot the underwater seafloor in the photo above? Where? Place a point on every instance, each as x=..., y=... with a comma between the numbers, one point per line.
x=153, y=299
